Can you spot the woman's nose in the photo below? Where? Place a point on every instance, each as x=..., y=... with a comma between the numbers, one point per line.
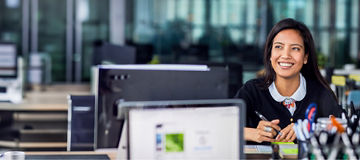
x=285, y=53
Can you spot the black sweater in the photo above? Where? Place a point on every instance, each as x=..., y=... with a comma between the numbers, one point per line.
x=257, y=97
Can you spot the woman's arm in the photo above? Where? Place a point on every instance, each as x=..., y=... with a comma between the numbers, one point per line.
x=287, y=134
x=259, y=134
x=253, y=134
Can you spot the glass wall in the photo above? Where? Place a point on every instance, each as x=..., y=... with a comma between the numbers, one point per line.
x=94, y=27
x=52, y=35
x=67, y=31
x=177, y=31
x=234, y=31
x=62, y=30
x=186, y=31
x=10, y=22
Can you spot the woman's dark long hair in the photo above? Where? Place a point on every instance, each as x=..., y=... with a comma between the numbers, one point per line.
x=309, y=70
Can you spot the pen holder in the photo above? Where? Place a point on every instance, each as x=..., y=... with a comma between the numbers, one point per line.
x=303, y=149
x=14, y=155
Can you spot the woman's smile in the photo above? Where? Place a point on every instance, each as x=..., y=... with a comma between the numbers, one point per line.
x=288, y=54
x=285, y=65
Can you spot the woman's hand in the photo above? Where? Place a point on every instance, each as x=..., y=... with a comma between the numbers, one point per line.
x=261, y=134
x=287, y=134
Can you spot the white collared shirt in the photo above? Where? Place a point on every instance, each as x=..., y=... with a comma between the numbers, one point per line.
x=297, y=96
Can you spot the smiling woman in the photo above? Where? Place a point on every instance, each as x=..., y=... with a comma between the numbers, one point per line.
x=291, y=82
x=287, y=58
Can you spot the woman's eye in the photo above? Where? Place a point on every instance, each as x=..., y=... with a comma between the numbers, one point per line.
x=277, y=46
x=296, y=49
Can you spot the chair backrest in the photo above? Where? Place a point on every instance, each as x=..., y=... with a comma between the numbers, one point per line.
x=354, y=96
x=105, y=52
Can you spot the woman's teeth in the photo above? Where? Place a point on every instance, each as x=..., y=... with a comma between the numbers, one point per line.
x=286, y=64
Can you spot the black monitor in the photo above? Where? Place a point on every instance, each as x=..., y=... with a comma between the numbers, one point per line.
x=105, y=52
x=145, y=83
x=8, y=60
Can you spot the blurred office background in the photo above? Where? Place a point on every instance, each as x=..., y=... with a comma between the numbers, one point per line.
x=173, y=31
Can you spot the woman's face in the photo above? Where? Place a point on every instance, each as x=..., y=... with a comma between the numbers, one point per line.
x=288, y=54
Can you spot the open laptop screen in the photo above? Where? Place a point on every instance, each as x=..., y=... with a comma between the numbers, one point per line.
x=191, y=132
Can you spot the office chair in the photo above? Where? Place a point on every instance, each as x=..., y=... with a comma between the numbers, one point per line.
x=105, y=52
x=354, y=96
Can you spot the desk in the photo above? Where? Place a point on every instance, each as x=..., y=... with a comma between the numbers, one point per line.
x=33, y=145
x=112, y=153
x=54, y=98
x=41, y=117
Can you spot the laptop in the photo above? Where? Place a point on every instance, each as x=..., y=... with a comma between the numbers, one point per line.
x=184, y=129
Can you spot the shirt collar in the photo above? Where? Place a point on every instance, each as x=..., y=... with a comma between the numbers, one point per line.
x=297, y=96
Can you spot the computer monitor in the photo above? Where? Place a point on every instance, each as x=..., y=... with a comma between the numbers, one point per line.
x=192, y=129
x=8, y=60
x=119, y=83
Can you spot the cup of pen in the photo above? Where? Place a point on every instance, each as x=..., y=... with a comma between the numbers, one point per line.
x=303, y=149
x=14, y=155
x=303, y=139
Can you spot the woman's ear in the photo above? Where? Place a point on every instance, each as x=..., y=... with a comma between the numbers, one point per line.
x=306, y=58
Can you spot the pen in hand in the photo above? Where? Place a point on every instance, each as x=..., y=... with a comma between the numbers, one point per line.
x=263, y=118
